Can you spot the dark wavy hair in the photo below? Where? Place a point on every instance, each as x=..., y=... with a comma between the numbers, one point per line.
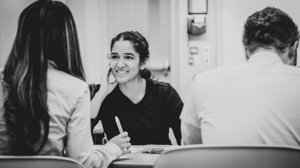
x=269, y=27
x=46, y=31
x=140, y=45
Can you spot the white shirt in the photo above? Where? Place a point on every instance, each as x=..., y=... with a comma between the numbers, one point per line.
x=254, y=103
x=70, y=127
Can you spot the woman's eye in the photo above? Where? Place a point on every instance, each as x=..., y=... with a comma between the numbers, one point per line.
x=114, y=57
x=129, y=57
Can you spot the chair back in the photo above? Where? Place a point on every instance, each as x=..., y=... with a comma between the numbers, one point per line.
x=192, y=156
x=38, y=162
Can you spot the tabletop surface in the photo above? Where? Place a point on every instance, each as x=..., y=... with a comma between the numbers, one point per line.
x=143, y=160
x=139, y=159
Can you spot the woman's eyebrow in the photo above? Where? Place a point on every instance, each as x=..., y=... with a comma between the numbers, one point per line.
x=129, y=54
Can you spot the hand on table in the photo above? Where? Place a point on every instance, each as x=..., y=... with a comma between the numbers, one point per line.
x=123, y=141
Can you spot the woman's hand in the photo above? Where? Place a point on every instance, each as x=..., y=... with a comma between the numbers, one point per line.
x=107, y=86
x=123, y=141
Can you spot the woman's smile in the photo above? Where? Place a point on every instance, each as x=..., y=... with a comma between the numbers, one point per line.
x=121, y=72
x=125, y=62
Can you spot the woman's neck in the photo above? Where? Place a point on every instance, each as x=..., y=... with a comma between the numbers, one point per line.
x=134, y=90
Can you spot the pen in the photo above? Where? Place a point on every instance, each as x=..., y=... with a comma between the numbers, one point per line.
x=119, y=124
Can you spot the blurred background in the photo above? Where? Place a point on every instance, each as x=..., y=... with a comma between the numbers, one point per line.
x=185, y=36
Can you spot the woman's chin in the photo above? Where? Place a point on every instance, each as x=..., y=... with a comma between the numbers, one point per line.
x=121, y=81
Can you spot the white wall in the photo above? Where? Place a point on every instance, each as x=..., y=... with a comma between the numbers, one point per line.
x=186, y=72
x=100, y=20
x=224, y=34
x=90, y=20
x=9, y=13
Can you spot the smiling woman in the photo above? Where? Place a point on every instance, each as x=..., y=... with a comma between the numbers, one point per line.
x=146, y=108
x=124, y=62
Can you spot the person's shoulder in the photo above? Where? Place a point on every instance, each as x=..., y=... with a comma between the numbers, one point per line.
x=65, y=78
x=157, y=83
x=291, y=70
x=59, y=80
x=114, y=95
x=160, y=86
x=296, y=69
x=218, y=71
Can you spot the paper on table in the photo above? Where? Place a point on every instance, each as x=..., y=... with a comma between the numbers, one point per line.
x=141, y=148
x=137, y=148
x=149, y=148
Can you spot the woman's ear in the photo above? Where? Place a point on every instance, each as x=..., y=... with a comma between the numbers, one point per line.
x=144, y=65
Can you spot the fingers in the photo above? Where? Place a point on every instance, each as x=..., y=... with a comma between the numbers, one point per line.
x=125, y=147
x=108, y=77
x=125, y=138
x=126, y=151
x=105, y=74
x=124, y=134
x=111, y=78
x=107, y=70
x=125, y=143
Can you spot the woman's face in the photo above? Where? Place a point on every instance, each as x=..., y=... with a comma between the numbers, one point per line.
x=124, y=62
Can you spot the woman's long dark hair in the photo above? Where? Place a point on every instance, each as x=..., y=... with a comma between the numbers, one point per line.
x=46, y=31
x=141, y=46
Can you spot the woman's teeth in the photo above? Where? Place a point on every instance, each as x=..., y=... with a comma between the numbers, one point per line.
x=121, y=72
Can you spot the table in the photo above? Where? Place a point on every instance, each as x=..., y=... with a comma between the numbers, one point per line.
x=136, y=159
x=132, y=160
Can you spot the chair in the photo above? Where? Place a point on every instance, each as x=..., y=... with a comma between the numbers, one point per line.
x=203, y=156
x=38, y=162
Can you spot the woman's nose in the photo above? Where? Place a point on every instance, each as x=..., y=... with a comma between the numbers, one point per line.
x=121, y=63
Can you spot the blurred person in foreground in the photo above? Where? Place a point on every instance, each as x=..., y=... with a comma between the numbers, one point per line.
x=44, y=99
x=254, y=103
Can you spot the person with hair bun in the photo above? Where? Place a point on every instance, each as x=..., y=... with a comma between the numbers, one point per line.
x=256, y=103
x=145, y=107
